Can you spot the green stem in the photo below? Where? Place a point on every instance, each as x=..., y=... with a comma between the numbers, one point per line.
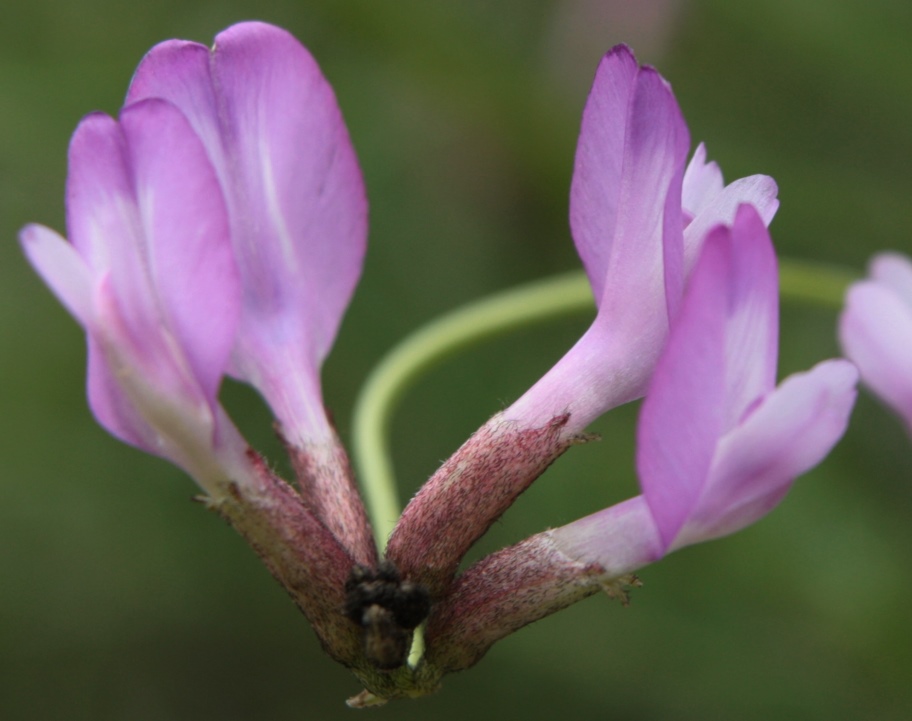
x=536, y=302
x=820, y=284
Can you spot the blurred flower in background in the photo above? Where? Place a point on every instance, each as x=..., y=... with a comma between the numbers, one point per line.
x=876, y=331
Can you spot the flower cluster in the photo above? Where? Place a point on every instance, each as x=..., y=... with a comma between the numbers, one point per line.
x=218, y=227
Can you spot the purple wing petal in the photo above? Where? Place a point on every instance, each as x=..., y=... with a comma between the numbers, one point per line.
x=876, y=335
x=683, y=415
x=719, y=360
x=154, y=235
x=790, y=432
x=186, y=238
x=752, y=329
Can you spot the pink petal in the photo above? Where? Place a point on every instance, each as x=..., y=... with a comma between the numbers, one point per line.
x=625, y=213
x=271, y=123
x=601, y=371
x=146, y=396
x=720, y=358
x=683, y=416
x=159, y=281
x=179, y=72
x=619, y=539
x=790, y=432
x=62, y=269
x=627, y=183
x=158, y=230
x=595, y=194
x=876, y=334
x=702, y=182
x=109, y=361
x=306, y=219
x=757, y=190
x=103, y=218
x=186, y=238
x=752, y=327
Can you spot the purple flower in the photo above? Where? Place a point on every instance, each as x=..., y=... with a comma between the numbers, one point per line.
x=718, y=443
x=718, y=447
x=149, y=272
x=296, y=202
x=221, y=229
x=638, y=218
x=876, y=331
x=219, y=225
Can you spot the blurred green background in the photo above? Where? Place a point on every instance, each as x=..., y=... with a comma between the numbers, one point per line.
x=120, y=599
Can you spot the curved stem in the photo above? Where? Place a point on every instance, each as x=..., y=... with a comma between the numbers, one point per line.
x=536, y=302
x=808, y=281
